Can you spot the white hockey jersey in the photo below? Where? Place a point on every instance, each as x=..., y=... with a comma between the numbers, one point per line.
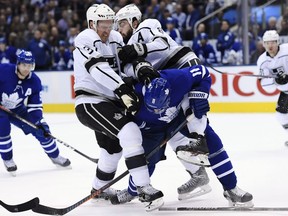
x=97, y=81
x=163, y=51
x=272, y=66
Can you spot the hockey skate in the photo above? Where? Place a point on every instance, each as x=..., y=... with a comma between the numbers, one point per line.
x=151, y=197
x=199, y=181
x=61, y=161
x=196, y=152
x=121, y=197
x=286, y=143
x=238, y=198
x=105, y=195
x=11, y=167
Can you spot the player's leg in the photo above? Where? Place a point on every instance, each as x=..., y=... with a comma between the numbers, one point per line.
x=282, y=111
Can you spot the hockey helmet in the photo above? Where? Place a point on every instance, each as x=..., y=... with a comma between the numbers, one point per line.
x=98, y=12
x=26, y=57
x=157, y=95
x=129, y=12
x=271, y=35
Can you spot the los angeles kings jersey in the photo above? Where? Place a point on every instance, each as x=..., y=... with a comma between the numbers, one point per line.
x=269, y=66
x=95, y=66
x=162, y=51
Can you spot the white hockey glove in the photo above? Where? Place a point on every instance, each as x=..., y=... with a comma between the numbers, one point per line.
x=199, y=102
x=129, y=53
x=128, y=98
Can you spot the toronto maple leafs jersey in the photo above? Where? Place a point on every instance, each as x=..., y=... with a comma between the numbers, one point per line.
x=96, y=66
x=181, y=82
x=269, y=66
x=16, y=94
x=162, y=51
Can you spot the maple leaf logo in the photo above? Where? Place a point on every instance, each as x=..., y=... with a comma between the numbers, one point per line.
x=11, y=101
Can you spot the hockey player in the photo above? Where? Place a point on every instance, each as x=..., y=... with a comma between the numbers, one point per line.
x=19, y=84
x=273, y=62
x=163, y=99
x=99, y=89
x=147, y=39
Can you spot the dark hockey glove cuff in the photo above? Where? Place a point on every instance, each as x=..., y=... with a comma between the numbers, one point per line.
x=144, y=71
x=282, y=80
x=128, y=53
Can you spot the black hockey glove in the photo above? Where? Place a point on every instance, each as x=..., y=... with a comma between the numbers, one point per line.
x=128, y=98
x=43, y=129
x=129, y=53
x=199, y=102
x=282, y=78
x=144, y=71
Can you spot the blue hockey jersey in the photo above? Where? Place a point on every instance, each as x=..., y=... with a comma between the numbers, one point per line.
x=181, y=81
x=19, y=95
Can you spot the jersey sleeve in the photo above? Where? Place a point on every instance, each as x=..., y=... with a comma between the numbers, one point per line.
x=34, y=101
x=92, y=61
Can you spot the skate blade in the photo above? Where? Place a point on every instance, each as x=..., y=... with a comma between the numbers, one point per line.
x=202, y=190
x=249, y=204
x=200, y=159
x=12, y=173
x=155, y=204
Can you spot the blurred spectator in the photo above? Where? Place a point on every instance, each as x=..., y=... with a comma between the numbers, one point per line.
x=284, y=26
x=62, y=24
x=225, y=40
x=234, y=56
x=271, y=25
x=63, y=58
x=152, y=10
x=205, y=51
x=196, y=41
x=211, y=6
x=72, y=34
x=180, y=16
x=193, y=15
x=279, y=20
x=7, y=53
x=256, y=53
x=173, y=32
x=41, y=50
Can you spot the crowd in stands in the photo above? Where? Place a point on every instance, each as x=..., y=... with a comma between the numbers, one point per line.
x=48, y=28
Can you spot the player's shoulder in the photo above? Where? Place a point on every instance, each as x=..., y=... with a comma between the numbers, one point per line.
x=262, y=58
x=86, y=37
x=284, y=48
x=115, y=36
x=149, y=23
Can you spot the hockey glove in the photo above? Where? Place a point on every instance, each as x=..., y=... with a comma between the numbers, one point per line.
x=128, y=98
x=199, y=103
x=282, y=78
x=144, y=71
x=43, y=129
x=129, y=53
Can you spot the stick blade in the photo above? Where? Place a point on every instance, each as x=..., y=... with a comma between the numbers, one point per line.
x=21, y=207
x=48, y=210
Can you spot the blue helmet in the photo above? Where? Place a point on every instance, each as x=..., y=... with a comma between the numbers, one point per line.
x=157, y=95
x=25, y=57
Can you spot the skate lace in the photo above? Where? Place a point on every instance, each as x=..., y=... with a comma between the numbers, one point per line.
x=238, y=192
x=124, y=196
x=9, y=163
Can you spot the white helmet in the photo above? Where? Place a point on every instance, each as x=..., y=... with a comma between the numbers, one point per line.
x=271, y=35
x=98, y=12
x=129, y=12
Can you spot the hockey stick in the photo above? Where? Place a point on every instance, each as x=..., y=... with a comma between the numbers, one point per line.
x=223, y=209
x=241, y=74
x=21, y=207
x=61, y=211
x=49, y=135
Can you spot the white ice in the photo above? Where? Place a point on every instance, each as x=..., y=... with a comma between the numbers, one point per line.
x=254, y=142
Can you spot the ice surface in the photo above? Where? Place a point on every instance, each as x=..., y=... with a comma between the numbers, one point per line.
x=254, y=142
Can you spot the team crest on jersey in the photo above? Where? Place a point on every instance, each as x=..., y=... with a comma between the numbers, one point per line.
x=169, y=114
x=117, y=116
x=11, y=101
x=279, y=70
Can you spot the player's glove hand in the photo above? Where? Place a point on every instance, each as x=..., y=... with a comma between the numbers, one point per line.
x=128, y=98
x=43, y=128
x=144, y=71
x=129, y=53
x=281, y=78
x=199, y=102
